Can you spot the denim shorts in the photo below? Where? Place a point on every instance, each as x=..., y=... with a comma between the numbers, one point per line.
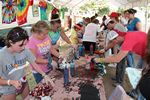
x=38, y=77
x=6, y=90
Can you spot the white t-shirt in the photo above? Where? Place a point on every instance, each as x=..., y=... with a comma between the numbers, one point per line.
x=120, y=27
x=90, y=32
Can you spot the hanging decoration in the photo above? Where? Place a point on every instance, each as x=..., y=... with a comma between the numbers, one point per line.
x=62, y=12
x=43, y=5
x=49, y=9
x=8, y=11
x=55, y=11
x=35, y=10
x=31, y=2
x=23, y=6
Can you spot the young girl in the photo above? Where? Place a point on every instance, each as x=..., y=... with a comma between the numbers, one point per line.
x=56, y=30
x=13, y=59
x=40, y=45
x=74, y=34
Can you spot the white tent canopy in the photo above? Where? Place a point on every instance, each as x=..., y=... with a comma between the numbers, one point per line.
x=119, y=3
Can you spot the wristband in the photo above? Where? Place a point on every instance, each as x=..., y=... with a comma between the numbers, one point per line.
x=8, y=82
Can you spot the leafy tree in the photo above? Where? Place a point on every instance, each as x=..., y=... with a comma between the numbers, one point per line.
x=120, y=10
x=103, y=11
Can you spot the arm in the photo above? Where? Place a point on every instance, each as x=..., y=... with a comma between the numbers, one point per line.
x=139, y=26
x=116, y=58
x=38, y=69
x=54, y=52
x=39, y=60
x=15, y=83
x=64, y=37
x=111, y=44
x=46, y=77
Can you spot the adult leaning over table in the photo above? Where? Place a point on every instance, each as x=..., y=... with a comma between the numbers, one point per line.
x=130, y=42
x=13, y=58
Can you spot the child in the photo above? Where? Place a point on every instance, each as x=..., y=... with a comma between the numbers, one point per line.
x=40, y=45
x=74, y=34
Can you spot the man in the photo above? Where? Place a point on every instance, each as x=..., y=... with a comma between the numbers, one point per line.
x=130, y=42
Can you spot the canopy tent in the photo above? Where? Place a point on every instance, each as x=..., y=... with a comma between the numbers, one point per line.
x=75, y=4
x=119, y=3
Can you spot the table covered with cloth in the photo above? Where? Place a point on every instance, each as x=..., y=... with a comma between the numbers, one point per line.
x=72, y=91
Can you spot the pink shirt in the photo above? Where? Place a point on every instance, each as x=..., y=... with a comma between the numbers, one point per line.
x=135, y=42
x=42, y=47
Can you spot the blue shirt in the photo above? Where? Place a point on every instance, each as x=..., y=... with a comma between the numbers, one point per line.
x=132, y=26
x=54, y=36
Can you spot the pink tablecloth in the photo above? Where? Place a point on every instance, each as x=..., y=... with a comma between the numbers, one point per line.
x=62, y=93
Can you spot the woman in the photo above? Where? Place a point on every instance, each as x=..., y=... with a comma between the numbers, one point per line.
x=89, y=37
x=133, y=25
x=13, y=59
x=40, y=45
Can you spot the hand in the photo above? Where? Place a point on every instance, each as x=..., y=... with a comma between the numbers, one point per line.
x=100, y=51
x=74, y=46
x=60, y=60
x=47, y=80
x=99, y=60
x=17, y=84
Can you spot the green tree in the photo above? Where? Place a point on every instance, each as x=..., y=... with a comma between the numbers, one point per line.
x=103, y=11
x=120, y=10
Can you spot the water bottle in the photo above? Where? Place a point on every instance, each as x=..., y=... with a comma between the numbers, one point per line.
x=49, y=65
x=92, y=65
x=83, y=51
x=91, y=49
x=80, y=50
x=77, y=54
x=49, y=58
x=72, y=68
x=66, y=76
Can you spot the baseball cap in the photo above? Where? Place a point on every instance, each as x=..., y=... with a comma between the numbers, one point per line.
x=112, y=35
x=107, y=21
x=114, y=14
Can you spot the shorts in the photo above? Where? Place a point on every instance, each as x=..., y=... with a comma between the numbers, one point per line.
x=87, y=45
x=38, y=77
x=12, y=90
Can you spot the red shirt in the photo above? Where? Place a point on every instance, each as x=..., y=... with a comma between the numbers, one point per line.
x=135, y=42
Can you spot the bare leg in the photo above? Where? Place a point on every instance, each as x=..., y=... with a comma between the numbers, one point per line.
x=9, y=97
x=25, y=92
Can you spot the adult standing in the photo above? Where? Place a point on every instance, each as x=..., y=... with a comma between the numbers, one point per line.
x=134, y=24
x=89, y=37
x=130, y=42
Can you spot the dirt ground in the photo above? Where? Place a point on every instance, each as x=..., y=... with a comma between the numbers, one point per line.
x=111, y=73
x=108, y=82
